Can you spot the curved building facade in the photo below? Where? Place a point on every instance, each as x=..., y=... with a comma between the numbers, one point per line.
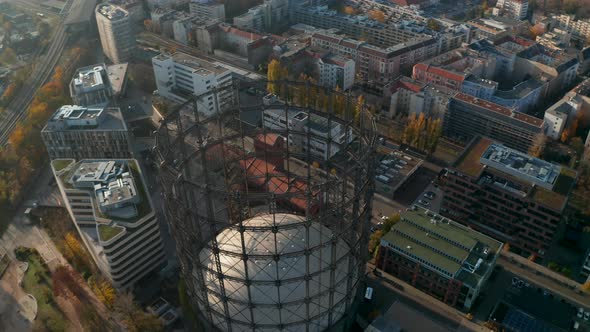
x=270, y=235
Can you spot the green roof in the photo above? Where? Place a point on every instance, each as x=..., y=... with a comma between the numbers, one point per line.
x=59, y=164
x=423, y=252
x=108, y=232
x=443, y=244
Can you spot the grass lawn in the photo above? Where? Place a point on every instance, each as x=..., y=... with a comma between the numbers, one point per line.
x=61, y=164
x=108, y=232
x=37, y=281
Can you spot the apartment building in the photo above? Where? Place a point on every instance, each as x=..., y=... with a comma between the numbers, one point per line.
x=116, y=33
x=98, y=85
x=495, y=27
x=556, y=118
x=508, y=195
x=77, y=132
x=468, y=117
x=439, y=256
x=111, y=208
x=579, y=29
x=167, y=3
x=322, y=131
x=185, y=27
x=556, y=40
x=180, y=77
x=472, y=73
x=407, y=95
x=372, y=63
x=568, y=111
x=517, y=9
x=208, y=9
x=336, y=71
x=264, y=17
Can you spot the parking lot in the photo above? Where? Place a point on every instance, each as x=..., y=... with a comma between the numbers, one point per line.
x=509, y=298
x=415, y=186
x=430, y=198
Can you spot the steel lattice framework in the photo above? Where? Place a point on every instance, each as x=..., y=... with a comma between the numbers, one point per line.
x=270, y=238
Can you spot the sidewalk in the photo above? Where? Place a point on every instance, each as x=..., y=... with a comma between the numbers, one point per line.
x=409, y=292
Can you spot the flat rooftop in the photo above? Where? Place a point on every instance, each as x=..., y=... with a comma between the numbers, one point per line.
x=117, y=77
x=199, y=66
x=90, y=78
x=112, y=12
x=446, y=246
x=116, y=185
x=523, y=166
x=552, y=183
x=499, y=109
x=72, y=117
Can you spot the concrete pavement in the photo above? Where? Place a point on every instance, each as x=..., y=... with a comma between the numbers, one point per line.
x=426, y=304
x=558, y=285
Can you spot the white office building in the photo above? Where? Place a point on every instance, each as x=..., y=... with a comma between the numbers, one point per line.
x=335, y=70
x=320, y=128
x=180, y=76
x=113, y=213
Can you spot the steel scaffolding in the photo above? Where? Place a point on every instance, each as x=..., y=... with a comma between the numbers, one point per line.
x=270, y=235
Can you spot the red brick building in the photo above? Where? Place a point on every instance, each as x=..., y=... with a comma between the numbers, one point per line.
x=508, y=195
x=438, y=256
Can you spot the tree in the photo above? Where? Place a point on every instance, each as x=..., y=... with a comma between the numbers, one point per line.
x=149, y=26
x=538, y=145
x=273, y=75
x=9, y=93
x=564, y=136
x=135, y=319
x=433, y=24
x=358, y=109
x=374, y=241
x=8, y=57
x=390, y=221
x=577, y=145
x=103, y=290
x=348, y=10
x=537, y=30
x=377, y=15
x=17, y=136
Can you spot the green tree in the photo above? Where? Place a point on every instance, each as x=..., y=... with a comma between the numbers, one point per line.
x=390, y=221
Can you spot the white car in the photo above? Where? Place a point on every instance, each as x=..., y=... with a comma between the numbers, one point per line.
x=580, y=313
x=423, y=203
x=587, y=315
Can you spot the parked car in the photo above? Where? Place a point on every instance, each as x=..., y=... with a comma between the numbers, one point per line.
x=587, y=315
x=580, y=312
x=423, y=203
x=429, y=195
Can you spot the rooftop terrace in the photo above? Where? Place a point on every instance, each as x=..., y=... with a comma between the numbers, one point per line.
x=72, y=117
x=548, y=184
x=521, y=165
x=112, y=12
x=199, y=66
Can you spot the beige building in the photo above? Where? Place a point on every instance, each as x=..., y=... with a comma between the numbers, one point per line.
x=116, y=34
x=113, y=213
